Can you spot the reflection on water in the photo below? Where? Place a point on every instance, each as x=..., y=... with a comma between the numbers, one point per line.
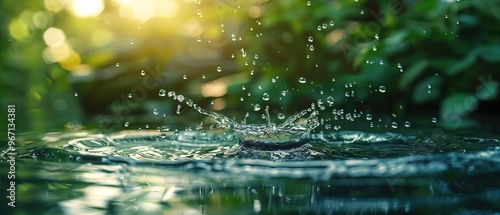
x=195, y=172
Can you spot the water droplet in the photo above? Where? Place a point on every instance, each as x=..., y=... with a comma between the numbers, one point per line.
x=377, y=37
x=131, y=42
x=185, y=77
x=256, y=107
x=324, y=26
x=156, y=112
x=199, y=39
x=117, y=64
x=127, y=124
x=394, y=125
x=308, y=3
x=143, y=72
x=362, y=12
x=407, y=124
x=219, y=69
x=369, y=117
x=330, y=100
x=265, y=97
x=434, y=120
x=374, y=48
x=302, y=80
x=319, y=28
x=381, y=62
x=130, y=95
x=178, y=111
x=76, y=94
x=281, y=116
x=233, y=37
x=197, y=1
x=310, y=39
x=311, y=47
x=381, y=89
x=283, y=93
x=162, y=93
x=199, y=13
x=332, y=23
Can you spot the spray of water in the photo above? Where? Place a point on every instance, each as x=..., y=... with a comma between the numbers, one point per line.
x=269, y=136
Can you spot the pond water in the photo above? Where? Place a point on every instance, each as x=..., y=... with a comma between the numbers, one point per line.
x=415, y=171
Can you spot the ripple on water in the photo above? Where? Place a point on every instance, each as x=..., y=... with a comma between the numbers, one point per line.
x=327, y=155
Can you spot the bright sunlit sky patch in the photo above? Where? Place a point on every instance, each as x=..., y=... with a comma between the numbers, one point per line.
x=143, y=10
x=86, y=8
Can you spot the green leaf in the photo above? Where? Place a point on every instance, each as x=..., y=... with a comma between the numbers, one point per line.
x=412, y=73
x=427, y=90
x=455, y=107
x=488, y=90
x=490, y=53
x=463, y=63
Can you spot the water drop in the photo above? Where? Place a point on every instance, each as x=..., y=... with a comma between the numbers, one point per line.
x=311, y=47
x=147, y=126
x=197, y=1
x=281, y=116
x=156, y=112
x=330, y=100
x=394, y=125
x=369, y=117
x=434, y=120
x=381, y=62
x=407, y=124
x=256, y=107
x=308, y=3
x=283, y=93
x=233, y=37
x=131, y=42
x=265, y=97
x=76, y=94
x=178, y=111
x=374, y=48
x=162, y=93
x=219, y=69
x=199, y=13
x=362, y=12
x=126, y=124
x=377, y=37
x=185, y=77
x=319, y=28
x=310, y=39
x=143, y=72
x=302, y=80
x=130, y=95
x=324, y=26
x=381, y=89
x=117, y=64
x=332, y=23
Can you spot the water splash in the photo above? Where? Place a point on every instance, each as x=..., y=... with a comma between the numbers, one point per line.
x=269, y=136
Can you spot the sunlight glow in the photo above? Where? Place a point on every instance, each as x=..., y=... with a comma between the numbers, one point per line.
x=214, y=89
x=54, y=37
x=144, y=10
x=87, y=8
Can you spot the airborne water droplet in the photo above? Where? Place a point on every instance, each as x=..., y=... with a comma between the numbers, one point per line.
x=143, y=72
x=308, y=3
x=302, y=80
x=162, y=93
x=407, y=124
x=219, y=69
x=394, y=125
x=76, y=94
x=434, y=120
x=117, y=64
x=369, y=117
x=381, y=89
x=156, y=112
x=265, y=97
x=330, y=100
x=185, y=77
x=256, y=107
x=311, y=47
x=126, y=124
x=281, y=116
x=310, y=39
x=130, y=95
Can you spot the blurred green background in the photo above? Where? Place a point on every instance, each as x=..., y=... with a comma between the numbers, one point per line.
x=74, y=63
